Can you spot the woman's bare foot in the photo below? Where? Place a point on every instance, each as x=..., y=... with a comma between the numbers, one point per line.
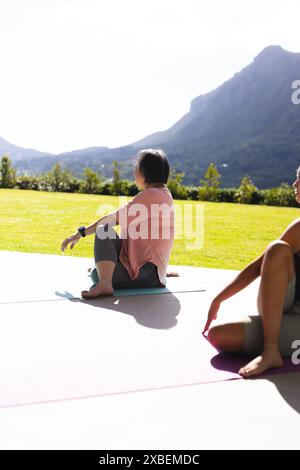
x=269, y=359
x=172, y=274
x=98, y=290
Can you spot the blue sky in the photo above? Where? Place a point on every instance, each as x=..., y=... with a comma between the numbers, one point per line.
x=82, y=73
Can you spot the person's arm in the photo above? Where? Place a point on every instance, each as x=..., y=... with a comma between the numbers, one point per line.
x=114, y=218
x=109, y=219
x=242, y=280
x=291, y=236
x=73, y=239
x=121, y=215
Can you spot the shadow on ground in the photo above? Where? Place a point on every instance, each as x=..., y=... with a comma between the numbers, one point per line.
x=287, y=383
x=152, y=311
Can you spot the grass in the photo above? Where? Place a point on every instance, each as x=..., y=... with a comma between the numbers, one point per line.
x=234, y=234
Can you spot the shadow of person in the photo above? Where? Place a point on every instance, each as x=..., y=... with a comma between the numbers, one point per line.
x=287, y=383
x=229, y=362
x=158, y=311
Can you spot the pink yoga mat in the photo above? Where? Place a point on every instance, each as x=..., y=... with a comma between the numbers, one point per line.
x=87, y=372
x=59, y=349
x=231, y=363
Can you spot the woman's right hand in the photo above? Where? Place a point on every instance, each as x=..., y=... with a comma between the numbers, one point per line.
x=212, y=314
x=72, y=240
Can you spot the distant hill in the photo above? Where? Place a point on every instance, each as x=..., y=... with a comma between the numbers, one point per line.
x=98, y=158
x=18, y=153
x=248, y=125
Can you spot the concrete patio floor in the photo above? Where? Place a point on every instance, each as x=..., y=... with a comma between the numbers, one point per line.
x=49, y=335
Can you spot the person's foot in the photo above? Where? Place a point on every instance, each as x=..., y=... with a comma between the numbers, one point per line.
x=269, y=359
x=99, y=290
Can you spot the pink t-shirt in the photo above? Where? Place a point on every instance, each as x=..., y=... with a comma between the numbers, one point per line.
x=147, y=231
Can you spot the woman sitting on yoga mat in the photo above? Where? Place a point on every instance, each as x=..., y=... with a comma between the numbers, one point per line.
x=139, y=258
x=269, y=335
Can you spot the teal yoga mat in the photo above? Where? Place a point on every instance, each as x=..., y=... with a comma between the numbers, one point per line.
x=151, y=290
x=177, y=287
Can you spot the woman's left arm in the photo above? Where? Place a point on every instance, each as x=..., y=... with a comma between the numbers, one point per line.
x=109, y=219
x=73, y=239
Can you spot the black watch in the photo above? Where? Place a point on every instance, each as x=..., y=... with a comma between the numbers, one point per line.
x=81, y=230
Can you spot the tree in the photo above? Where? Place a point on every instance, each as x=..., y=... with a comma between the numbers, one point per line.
x=92, y=182
x=8, y=173
x=282, y=196
x=54, y=178
x=208, y=190
x=176, y=188
x=211, y=177
x=59, y=181
x=116, y=182
x=247, y=192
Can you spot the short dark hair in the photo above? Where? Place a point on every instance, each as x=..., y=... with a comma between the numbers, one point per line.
x=153, y=165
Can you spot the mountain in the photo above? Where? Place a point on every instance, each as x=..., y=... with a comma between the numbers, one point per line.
x=98, y=158
x=248, y=125
x=18, y=153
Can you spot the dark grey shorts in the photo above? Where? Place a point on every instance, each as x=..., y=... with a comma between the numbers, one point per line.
x=290, y=326
x=108, y=249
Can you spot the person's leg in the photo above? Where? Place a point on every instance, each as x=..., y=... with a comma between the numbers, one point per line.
x=228, y=337
x=147, y=277
x=248, y=336
x=110, y=273
x=106, y=251
x=277, y=274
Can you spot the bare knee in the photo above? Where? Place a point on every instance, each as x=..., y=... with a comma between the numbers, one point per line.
x=216, y=336
x=280, y=253
x=280, y=249
x=227, y=337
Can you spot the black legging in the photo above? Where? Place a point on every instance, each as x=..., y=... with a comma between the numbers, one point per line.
x=108, y=249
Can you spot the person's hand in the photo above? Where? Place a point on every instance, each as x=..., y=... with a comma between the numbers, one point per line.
x=72, y=240
x=212, y=314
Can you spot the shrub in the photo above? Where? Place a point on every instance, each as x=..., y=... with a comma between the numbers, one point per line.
x=91, y=183
x=177, y=190
x=226, y=195
x=23, y=182
x=59, y=181
x=193, y=194
x=282, y=196
x=247, y=193
x=206, y=193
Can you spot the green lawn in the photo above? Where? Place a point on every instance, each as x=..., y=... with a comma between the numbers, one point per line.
x=234, y=234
